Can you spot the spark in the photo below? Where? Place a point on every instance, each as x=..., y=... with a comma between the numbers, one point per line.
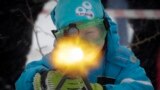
x=75, y=56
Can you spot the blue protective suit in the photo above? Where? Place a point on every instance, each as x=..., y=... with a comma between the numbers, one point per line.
x=119, y=63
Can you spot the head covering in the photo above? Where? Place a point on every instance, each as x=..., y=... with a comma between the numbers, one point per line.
x=72, y=11
x=66, y=12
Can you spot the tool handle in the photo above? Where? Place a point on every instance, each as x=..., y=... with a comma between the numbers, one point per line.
x=87, y=84
x=64, y=78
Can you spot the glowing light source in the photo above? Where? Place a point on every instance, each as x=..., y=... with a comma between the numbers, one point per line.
x=71, y=55
x=75, y=56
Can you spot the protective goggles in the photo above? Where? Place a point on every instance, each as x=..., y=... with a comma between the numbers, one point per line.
x=93, y=31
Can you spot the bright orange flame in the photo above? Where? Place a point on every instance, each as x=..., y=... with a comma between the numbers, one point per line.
x=74, y=56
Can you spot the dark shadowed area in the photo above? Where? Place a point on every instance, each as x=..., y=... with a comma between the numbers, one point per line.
x=17, y=18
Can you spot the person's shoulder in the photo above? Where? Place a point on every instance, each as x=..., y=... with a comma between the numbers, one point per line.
x=126, y=54
x=43, y=61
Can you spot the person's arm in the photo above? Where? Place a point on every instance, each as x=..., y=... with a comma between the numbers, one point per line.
x=33, y=72
x=25, y=81
x=131, y=76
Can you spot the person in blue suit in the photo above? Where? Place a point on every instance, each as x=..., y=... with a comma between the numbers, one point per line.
x=118, y=70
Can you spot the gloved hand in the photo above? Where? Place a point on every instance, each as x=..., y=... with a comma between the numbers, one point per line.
x=96, y=86
x=53, y=78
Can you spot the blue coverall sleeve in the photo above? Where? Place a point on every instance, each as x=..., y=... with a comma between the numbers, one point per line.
x=25, y=81
x=131, y=75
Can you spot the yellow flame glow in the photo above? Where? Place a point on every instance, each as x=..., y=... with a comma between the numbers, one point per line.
x=74, y=56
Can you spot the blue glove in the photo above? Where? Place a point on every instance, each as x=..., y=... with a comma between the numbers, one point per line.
x=25, y=81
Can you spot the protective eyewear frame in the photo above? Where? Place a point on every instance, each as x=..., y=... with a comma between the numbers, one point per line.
x=75, y=28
